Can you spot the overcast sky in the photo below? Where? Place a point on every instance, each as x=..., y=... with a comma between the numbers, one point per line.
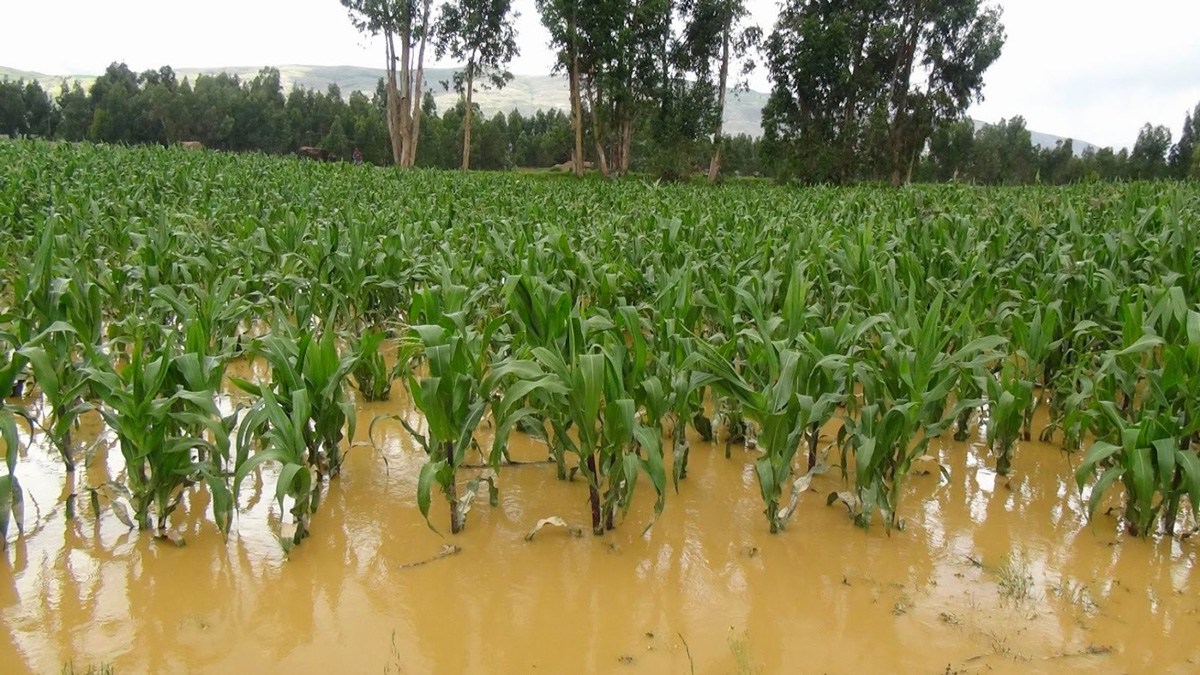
x=1095, y=70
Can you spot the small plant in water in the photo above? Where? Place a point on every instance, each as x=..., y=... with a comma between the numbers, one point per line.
x=739, y=646
x=101, y=669
x=1014, y=580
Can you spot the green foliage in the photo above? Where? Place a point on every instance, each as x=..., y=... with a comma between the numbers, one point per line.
x=146, y=404
x=604, y=319
x=452, y=394
x=847, y=102
x=371, y=375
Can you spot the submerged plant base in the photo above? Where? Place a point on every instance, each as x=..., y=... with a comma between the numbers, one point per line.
x=709, y=569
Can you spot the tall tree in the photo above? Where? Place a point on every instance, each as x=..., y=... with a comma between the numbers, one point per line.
x=950, y=149
x=863, y=83
x=114, y=97
x=1182, y=152
x=1148, y=160
x=480, y=34
x=714, y=35
x=1004, y=153
x=12, y=107
x=76, y=113
x=562, y=18
x=406, y=22
x=41, y=117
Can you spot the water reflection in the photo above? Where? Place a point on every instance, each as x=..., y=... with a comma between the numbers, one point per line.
x=991, y=572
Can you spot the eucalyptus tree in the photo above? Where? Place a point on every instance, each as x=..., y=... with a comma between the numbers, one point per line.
x=845, y=94
x=410, y=23
x=715, y=33
x=563, y=21
x=481, y=35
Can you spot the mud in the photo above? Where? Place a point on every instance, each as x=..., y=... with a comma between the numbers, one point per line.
x=989, y=575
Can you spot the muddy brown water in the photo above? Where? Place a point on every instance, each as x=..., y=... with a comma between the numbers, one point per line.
x=989, y=575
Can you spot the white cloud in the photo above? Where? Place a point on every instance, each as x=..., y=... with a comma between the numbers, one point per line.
x=1093, y=69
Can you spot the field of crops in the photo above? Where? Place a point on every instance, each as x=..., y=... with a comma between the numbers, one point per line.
x=200, y=323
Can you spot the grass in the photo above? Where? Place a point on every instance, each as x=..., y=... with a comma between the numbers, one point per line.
x=1014, y=580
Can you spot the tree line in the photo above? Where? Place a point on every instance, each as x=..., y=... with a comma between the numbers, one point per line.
x=862, y=90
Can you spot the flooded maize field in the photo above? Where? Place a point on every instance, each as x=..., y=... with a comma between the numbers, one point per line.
x=988, y=575
x=204, y=472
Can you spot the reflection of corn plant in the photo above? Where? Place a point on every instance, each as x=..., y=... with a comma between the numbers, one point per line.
x=151, y=416
x=371, y=375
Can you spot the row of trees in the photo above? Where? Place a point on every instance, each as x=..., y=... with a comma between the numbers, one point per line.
x=226, y=113
x=1004, y=153
x=646, y=75
x=255, y=115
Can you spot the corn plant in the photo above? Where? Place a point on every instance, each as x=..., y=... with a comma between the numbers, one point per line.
x=1037, y=345
x=63, y=383
x=769, y=394
x=1148, y=422
x=372, y=377
x=277, y=433
x=151, y=415
x=906, y=385
x=1009, y=396
x=62, y=322
x=540, y=315
x=301, y=361
x=453, y=397
x=587, y=392
x=12, y=497
x=1155, y=468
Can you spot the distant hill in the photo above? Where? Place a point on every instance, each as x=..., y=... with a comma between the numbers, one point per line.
x=526, y=93
x=52, y=83
x=1049, y=141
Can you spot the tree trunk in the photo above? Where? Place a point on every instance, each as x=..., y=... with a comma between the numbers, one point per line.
x=576, y=104
x=466, y=154
x=714, y=167
x=626, y=145
x=601, y=156
x=405, y=93
x=846, y=140
x=419, y=89
x=393, y=101
x=901, y=84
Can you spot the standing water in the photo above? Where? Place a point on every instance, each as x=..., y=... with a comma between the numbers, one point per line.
x=990, y=574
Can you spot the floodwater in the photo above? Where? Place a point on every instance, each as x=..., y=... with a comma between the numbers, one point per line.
x=989, y=575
